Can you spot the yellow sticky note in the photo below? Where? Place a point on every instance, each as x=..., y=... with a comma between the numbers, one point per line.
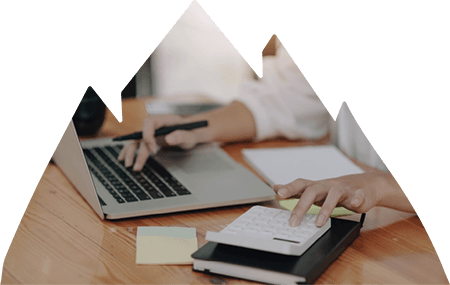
x=338, y=211
x=165, y=245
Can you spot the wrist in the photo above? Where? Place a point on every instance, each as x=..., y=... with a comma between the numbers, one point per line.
x=391, y=195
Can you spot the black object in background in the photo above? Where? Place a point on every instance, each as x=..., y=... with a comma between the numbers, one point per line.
x=130, y=90
x=90, y=114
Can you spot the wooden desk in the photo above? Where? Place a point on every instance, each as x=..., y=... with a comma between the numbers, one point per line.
x=61, y=240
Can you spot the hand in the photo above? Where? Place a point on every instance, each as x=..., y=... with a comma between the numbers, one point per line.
x=148, y=144
x=358, y=193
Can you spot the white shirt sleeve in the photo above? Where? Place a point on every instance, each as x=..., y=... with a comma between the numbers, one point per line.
x=283, y=103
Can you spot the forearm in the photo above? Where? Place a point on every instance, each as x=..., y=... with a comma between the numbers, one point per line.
x=233, y=122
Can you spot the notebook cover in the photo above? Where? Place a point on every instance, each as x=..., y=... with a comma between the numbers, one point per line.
x=309, y=265
x=284, y=165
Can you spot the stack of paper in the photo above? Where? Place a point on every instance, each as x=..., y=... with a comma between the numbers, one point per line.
x=165, y=245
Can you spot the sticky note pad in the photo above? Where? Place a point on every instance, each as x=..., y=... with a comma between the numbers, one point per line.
x=338, y=211
x=165, y=245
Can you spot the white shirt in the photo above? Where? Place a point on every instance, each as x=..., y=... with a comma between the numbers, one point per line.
x=284, y=104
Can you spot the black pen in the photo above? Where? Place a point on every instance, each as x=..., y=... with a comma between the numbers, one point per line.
x=164, y=130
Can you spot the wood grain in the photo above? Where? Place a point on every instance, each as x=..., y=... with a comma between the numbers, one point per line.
x=61, y=240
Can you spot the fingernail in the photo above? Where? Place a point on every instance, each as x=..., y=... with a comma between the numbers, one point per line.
x=356, y=202
x=294, y=221
x=283, y=192
x=320, y=220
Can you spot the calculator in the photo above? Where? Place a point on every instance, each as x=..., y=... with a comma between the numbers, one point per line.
x=267, y=229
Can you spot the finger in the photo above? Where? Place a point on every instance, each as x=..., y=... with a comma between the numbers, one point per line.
x=358, y=199
x=293, y=189
x=335, y=195
x=153, y=123
x=122, y=153
x=130, y=153
x=148, y=134
x=142, y=156
x=277, y=188
x=182, y=138
x=304, y=203
x=124, y=150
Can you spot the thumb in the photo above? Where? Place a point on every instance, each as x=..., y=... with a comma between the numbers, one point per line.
x=358, y=199
x=181, y=138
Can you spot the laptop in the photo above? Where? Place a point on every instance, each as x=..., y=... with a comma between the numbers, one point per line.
x=171, y=181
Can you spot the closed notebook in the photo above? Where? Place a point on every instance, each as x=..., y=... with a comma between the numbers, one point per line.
x=284, y=165
x=275, y=268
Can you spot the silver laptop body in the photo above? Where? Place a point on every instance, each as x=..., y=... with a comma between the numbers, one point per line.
x=171, y=181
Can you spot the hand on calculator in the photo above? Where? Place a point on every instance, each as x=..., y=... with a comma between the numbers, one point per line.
x=357, y=193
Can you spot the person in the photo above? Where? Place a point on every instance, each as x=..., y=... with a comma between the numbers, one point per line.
x=283, y=104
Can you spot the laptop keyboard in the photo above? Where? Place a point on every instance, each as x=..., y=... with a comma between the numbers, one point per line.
x=126, y=185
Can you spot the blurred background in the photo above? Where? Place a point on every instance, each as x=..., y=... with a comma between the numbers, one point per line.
x=195, y=58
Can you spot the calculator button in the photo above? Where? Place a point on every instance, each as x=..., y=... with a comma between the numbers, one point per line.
x=282, y=216
x=249, y=230
x=311, y=227
x=236, y=228
x=254, y=227
x=283, y=233
x=308, y=231
x=270, y=213
x=272, y=227
x=240, y=223
x=310, y=218
x=259, y=224
x=263, y=219
x=276, y=222
x=300, y=233
x=247, y=218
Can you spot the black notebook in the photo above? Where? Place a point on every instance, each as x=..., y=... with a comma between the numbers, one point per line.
x=276, y=268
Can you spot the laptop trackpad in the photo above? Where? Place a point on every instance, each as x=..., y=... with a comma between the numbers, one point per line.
x=204, y=163
x=197, y=162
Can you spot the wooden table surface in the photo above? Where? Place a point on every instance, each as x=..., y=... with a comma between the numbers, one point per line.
x=61, y=240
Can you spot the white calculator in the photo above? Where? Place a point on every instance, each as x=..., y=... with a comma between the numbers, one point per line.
x=268, y=229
